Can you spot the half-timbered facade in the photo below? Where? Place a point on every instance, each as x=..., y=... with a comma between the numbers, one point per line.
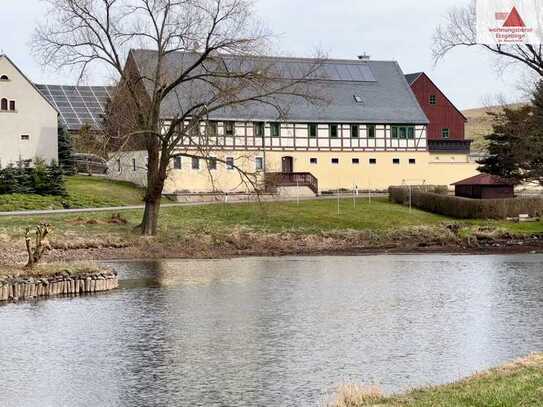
x=370, y=133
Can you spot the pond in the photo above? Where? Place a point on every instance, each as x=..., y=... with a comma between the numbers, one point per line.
x=271, y=331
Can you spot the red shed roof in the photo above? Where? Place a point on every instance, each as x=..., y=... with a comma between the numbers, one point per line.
x=484, y=179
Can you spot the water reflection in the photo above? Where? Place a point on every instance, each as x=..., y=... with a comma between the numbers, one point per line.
x=271, y=331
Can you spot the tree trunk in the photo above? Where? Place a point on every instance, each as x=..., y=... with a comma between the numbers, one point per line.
x=157, y=165
x=149, y=224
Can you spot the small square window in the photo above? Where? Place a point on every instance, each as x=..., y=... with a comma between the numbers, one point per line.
x=259, y=163
x=177, y=162
x=358, y=99
x=333, y=131
x=356, y=161
x=371, y=131
x=25, y=137
x=195, y=163
x=354, y=130
x=229, y=128
x=395, y=161
x=335, y=160
x=445, y=133
x=275, y=129
x=412, y=161
x=259, y=129
x=432, y=99
x=373, y=161
x=312, y=130
x=312, y=161
x=229, y=163
x=212, y=163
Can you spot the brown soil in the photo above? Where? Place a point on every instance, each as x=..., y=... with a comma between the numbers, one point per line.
x=273, y=244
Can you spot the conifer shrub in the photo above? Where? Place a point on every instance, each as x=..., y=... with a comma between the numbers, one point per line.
x=40, y=179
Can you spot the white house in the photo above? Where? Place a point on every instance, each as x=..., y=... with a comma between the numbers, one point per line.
x=28, y=121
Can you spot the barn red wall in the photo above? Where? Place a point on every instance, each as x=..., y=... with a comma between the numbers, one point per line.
x=441, y=115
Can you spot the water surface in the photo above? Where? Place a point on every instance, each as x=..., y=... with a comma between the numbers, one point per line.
x=271, y=331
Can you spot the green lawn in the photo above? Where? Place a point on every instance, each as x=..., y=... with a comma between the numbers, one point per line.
x=315, y=216
x=515, y=384
x=83, y=192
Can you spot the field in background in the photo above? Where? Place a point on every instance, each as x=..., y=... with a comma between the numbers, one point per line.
x=480, y=124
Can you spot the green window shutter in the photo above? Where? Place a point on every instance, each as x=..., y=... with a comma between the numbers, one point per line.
x=333, y=131
x=371, y=131
x=410, y=132
x=354, y=130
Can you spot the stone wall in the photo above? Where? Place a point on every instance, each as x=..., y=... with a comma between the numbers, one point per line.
x=27, y=288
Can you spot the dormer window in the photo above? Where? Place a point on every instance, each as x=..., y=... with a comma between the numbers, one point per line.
x=4, y=104
x=4, y=78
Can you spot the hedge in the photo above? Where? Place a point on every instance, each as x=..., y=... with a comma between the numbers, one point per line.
x=466, y=208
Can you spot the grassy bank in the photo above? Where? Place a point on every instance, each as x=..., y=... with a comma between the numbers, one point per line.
x=271, y=228
x=83, y=192
x=515, y=384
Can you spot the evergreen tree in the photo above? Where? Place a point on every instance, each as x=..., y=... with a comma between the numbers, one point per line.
x=55, y=179
x=24, y=179
x=8, y=180
x=509, y=144
x=65, y=151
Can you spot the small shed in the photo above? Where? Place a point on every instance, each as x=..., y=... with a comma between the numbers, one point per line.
x=485, y=186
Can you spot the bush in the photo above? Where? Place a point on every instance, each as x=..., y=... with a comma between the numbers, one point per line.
x=40, y=179
x=466, y=208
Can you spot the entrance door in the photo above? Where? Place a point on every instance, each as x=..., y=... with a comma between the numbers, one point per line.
x=287, y=164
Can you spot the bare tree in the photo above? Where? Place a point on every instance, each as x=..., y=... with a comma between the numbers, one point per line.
x=461, y=30
x=208, y=33
x=41, y=245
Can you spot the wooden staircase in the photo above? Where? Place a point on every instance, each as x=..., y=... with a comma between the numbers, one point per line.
x=291, y=179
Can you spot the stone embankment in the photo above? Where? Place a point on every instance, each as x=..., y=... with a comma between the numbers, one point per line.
x=18, y=288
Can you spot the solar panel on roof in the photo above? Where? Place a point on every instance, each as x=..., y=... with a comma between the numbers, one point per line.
x=78, y=105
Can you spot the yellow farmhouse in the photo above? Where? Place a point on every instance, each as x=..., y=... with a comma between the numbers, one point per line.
x=370, y=134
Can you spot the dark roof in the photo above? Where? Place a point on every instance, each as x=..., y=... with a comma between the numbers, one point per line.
x=412, y=77
x=78, y=106
x=386, y=96
x=484, y=179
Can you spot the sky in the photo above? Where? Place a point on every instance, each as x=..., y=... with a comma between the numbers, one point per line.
x=398, y=30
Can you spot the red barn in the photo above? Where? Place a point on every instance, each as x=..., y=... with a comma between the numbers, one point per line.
x=445, y=131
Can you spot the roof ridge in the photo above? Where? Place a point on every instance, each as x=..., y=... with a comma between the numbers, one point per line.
x=278, y=57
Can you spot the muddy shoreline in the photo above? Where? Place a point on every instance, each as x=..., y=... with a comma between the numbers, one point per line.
x=277, y=245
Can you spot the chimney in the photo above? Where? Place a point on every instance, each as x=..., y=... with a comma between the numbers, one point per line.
x=364, y=57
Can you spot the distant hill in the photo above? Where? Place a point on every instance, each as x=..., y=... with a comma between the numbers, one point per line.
x=480, y=124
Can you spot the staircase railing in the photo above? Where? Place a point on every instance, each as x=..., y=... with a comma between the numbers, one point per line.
x=289, y=179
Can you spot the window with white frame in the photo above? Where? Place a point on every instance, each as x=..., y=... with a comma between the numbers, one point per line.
x=229, y=163
x=195, y=163
x=177, y=162
x=212, y=163
x=259, y=163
